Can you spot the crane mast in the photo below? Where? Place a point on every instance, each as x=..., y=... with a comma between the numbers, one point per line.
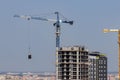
x=56, y=23
x=116, y=30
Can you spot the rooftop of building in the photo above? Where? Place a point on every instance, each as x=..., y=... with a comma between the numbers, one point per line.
x=96, y=53
x=76, y=47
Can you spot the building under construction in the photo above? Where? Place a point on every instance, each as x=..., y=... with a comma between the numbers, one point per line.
x=72, y=63
x=77, y=63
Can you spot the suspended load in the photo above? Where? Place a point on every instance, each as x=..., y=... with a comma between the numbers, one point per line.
x=29, y=53
x=29, y=56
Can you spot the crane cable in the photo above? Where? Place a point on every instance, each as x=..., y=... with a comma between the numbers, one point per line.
x=29, y=43
x=29, y=38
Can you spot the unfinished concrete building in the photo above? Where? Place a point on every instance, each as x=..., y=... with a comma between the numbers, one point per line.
x=72, y=63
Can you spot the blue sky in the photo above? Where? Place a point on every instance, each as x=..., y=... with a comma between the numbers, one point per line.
x=90, y=17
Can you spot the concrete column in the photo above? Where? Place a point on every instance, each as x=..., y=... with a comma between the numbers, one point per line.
x=77, y=65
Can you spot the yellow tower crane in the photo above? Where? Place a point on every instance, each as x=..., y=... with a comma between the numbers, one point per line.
x=116, y=30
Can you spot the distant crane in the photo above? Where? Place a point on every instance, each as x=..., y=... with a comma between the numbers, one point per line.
x=115, y=30
x=56, y=23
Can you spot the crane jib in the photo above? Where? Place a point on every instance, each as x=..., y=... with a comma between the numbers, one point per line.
x=39, y=18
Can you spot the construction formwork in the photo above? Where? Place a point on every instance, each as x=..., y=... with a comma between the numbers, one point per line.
x=72, y=63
